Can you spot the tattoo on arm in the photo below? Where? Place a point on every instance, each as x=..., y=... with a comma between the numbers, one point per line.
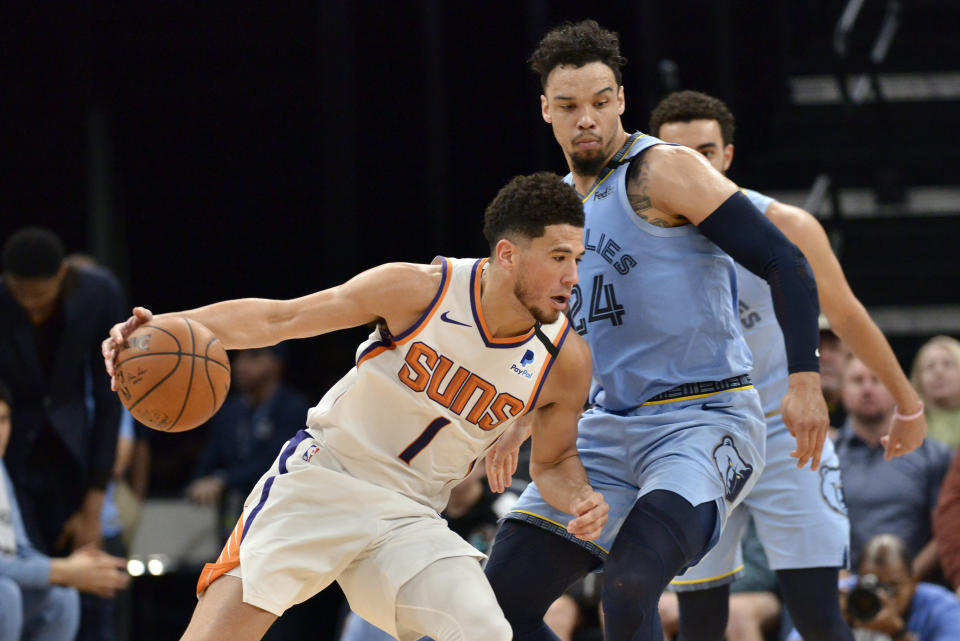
x=637, y=194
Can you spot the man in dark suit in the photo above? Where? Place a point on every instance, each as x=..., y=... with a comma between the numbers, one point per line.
x=61, y=452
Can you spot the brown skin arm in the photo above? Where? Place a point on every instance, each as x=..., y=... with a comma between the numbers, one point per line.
x=671, y=186
x=554, y=462
x=395, y=292
x=851, y=322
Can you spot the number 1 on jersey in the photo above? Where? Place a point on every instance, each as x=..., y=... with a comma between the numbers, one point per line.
x=424, y=439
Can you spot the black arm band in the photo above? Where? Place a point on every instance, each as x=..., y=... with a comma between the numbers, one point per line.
x=739, y=229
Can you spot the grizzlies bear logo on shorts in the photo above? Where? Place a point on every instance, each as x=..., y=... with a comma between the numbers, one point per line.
x=831, y=489
x=733, y=469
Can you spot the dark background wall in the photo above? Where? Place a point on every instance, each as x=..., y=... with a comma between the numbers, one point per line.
x=215, y=150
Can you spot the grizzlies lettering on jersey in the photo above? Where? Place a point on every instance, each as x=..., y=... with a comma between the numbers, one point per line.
x=445, y=387
x=658, y=306
x=761, y=329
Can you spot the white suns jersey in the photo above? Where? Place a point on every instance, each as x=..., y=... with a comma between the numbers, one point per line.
x=419, y=408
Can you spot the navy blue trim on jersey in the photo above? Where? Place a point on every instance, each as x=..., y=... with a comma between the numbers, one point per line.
x=287, y=452
x=443, y=282
x=741, y=230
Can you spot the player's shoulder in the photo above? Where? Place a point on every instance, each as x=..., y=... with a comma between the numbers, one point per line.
x=573, y=367
x=790, y=218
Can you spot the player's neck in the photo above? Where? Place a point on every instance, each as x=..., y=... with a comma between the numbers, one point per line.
x=503, y=314
x=583, y=182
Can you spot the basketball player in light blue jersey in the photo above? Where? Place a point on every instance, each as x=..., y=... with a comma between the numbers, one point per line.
x=800, y=516
x=675, y=437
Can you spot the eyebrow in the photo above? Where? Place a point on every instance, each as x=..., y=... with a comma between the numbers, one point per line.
x=710, y=145
x=595, y=95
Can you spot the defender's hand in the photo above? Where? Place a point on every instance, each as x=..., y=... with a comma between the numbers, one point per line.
x=591, y=512
x=118, y=334
x=805, y=415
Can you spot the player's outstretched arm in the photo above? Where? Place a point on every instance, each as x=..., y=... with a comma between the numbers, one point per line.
x=396, y=292
x=554, y=462
x=851, y=322
x=680, y=183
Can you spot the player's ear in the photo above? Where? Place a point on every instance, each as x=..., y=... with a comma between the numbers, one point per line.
x=727, y=156
x=621, y=103
x=544, y=108
x=505, y=253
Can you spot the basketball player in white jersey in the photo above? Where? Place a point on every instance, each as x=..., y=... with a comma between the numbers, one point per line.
x=461, y=349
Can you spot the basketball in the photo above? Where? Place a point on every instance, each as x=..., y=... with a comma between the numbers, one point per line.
x=172, y=374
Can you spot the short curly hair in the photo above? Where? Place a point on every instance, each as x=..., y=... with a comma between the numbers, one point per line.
x=684, y=106
x=526, y=205
x=577, y=44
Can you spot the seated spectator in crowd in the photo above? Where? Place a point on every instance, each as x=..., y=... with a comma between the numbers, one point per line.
x=246, y=434
x=833, y=355
x=889, y=603
x=754, y=601
x=886, y=497
x=936, y=376
x=38, y=594
x=946, y=525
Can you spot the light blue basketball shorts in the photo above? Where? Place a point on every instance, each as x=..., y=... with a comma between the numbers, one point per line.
x=706, y=447
x=800, y=516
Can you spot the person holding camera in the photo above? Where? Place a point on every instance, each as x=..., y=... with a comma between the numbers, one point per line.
x=885, y=602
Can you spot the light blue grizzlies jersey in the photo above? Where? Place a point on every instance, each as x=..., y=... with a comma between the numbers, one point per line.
x=761, y=329
x=658, y=306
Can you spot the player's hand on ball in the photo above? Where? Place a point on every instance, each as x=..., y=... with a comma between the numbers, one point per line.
x=805, y=414
x=118, y=334
x=591, y=511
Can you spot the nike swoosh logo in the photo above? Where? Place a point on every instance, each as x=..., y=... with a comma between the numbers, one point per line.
x=447, y=319
x=712, y=406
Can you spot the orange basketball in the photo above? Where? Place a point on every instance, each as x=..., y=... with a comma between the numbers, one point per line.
x=172, y=374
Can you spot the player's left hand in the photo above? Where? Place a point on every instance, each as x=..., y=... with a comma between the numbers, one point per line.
x=501, y=459
x=805, y=414
x=592, y=512
x=904, y=436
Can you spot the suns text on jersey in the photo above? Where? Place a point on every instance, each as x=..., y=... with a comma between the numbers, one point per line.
x=424, y=370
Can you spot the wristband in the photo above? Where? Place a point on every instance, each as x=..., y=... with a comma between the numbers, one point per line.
x=908, y=417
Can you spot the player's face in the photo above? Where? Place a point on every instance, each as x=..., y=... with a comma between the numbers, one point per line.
x=700, y=135
x=940, y=375
x=584, y=105
x=37, y=296
x=547, y=271
x=864, y=396
x=4, y=427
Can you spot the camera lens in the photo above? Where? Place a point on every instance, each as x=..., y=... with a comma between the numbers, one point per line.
x=863, y=602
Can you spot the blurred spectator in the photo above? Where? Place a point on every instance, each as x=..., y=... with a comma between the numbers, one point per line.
x=52, y=319
x=754, y=601
x=108, y=619
x=38, y=594
x=887, y=603
x=936, y=375
x=833, y=354
x=245, y=435
x=886, y=497
x=946, y=525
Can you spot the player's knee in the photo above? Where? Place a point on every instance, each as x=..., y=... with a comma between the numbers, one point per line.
x=11, y=610
x=62, y=609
